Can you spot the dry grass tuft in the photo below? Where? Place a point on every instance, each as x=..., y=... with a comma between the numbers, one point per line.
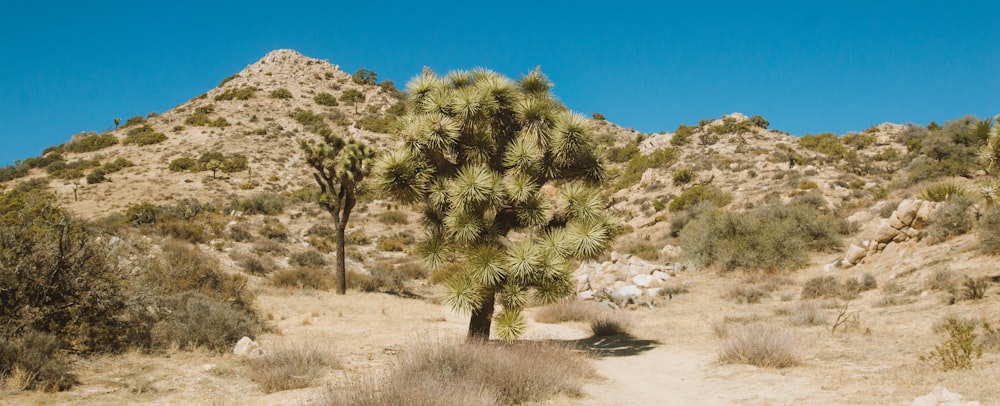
x=807, y=313
x=612, y=323
x=290, y=366
x=567, y=310
x=472, y=374
x=761, y=344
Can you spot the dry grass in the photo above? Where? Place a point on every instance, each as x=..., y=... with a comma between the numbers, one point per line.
x=746, y=293
x=304, y=278
x=567, y=310
x=290, y=366
x=807, y=313
x=472, y=374
x=762, y=344
x=610, y=324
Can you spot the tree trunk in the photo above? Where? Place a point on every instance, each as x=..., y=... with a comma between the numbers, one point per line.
x=341, y=261
x=482, y=318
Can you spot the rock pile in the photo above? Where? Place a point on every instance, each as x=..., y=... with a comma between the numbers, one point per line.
x=622, y=281
x=906, y=223
x=942, y=397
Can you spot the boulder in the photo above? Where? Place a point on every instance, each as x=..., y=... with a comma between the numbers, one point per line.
x=907, y=210
x=924, y=213
x=247, y=348
x=624, y=294
x=854, y=254
x=896, y=223
x=942, y=397
x=642, y=280
x=885, y=232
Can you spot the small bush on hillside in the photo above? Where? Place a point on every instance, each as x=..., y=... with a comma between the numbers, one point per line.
x=610, y=323
x=567, y=310
x=88, y=142
x=71, y=170
x=33, y=361
x=143, y=213
x=281, y=93
x=761, y=344
x=259, y=203
x=95, y=177
x=192, y=320
x=309, y=258
x=825, y=143
x=959, y=349
x=183, y=230
x=182, y=267
x=989, y=231
x=289, y=366
x=821, y=286
x=807, y=314
x=951, y=218
x=684, y=176
x=32, y=184
x=393, y=217
x=144, y=138
x=325, y=99
x=943, y=191
x=378, y=124
x=182, y=164
x=661, y=158
x=682, y=135
x=304, y=278
x=364, y=77
x=759, y=121
x=134, y=120
x=698, y=194
x=598, y=116
x=242, y=93
x=116, y=165
x=312, y=122
x=623, y=153
x=273, y=229
x=253, y=264
x=859, y=140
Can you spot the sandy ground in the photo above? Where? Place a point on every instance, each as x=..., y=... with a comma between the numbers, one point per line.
x=670, y=358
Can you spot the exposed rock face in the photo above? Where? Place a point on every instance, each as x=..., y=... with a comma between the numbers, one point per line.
x=623, y=281
x=247, y=348
x=942, y=397
x=906, y=223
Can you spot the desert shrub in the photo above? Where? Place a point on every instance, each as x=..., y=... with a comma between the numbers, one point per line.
x=760, y=121
x=32, y=184
x=325, y=99
x=312, y=122
x=697, y=194
x=770, y=237
x=397, y=243
x=364, y=77
x=289, y=366
x=661, y=158
x=623, y=153
x=280, y=93
x=682, y=135
x=270, y=247
x=951, y=218
x=192, y=320
x=672, y=290
x=134, y=120
x=639, y=247
x=88, y=142
x=352, y=96
x=253, y=264
x=807, y=314
x=182, y=267
x=567, y=310
x=145, y=138
x=386, y=124
x=308, y=258
x=821, y=286
x=859, y=140
x=304, y=278
x=56, y=275
x=116, y=165
x=273, y=229
x=35, y=360
x=71, y=170
x=944, y=191
x=730, y=125
x=381, y=278
x=242, y=93
x=990, y=337
x=473, y=374
x=989, y=231
x=259, y=203
x=747, y=293
x=974, y=288
x=825, y=143
x=95, y=177
x=11, y=172
x=610, y=323
x=182, y=164
x=761, y=344
x=959, y=349
x=143, y=213
x=393, y=217
x=183, y=230
x=241, y=232
x=598, y=116
x=683, y=176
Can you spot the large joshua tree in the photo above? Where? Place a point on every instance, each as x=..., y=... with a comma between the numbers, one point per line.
x=502, y=172
x=339, y=167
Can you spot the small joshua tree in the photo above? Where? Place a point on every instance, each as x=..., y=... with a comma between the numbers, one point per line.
x=340, y=166
x=501, y=170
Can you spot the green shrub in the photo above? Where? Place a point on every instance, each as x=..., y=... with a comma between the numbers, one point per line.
x=96, y=177
x=684, y=176
x=134, y=120
x=266, y=203
x=661, y=158
x=288, y=367
x=145, y=138
x=821, y=287
x=697, y=194
x=56, y=275
x=825, y=143
x=182, y=164
x=304, y=278
x=243, y=93
x=352, y=97
x=192, y=320
x=182, y=267
x=364, y=77
x=943, y=191
x=599, y=116
x=859, y=140
x=117, y=165
x=989, y=231
x=759, y=121
x=682, y=135
x=312, y=122
x=325, y=99
x=623, y=153
x=11, y=172
x=613, y=323
x=951, y=218
x=398, y=243
x=88, y=142
x=959, y=349
x=253, y=264
x=183, y=230
x=280, y=93
x=32, y=184
x=379, y=124
x=393, y=217
x=273, y=229
x=219, y=122
x=143, y=213
x=37, y=357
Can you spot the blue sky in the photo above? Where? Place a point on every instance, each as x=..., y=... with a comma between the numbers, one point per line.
x=807, y=67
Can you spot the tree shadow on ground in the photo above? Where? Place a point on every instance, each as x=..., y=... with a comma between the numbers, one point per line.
x=621, y=345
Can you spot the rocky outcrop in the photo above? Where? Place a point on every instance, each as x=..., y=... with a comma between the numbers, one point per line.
x=905, y=224
x=622, y=281
x=246, y=347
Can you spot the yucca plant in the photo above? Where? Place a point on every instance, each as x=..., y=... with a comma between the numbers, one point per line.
x=990, y=152
x=943, y=191
x=503, y=173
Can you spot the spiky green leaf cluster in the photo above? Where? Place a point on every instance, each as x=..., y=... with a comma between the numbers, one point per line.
x=503, y=173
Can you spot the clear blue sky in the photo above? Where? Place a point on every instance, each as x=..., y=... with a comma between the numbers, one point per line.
x=808, y=67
